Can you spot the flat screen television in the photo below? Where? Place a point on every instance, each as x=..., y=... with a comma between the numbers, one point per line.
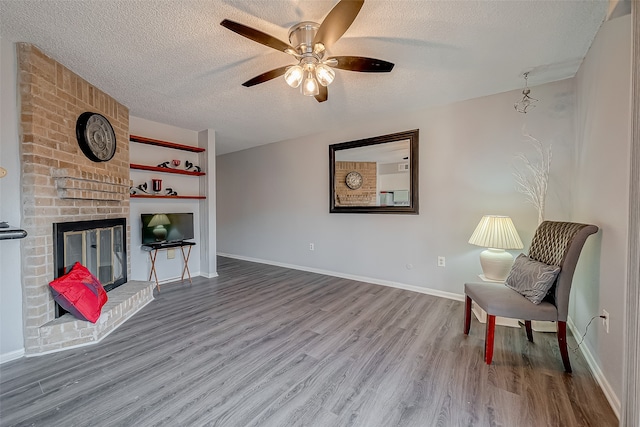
x=166, y=227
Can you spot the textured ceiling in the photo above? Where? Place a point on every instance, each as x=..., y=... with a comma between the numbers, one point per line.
x=171, y=61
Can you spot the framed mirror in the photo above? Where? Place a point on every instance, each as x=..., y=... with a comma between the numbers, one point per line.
x=375, y=175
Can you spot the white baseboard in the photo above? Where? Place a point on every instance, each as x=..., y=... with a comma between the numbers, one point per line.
x=398, y=285
x=162, y=282
x=596, y=371
x=209, y=275
x=186, y=279
x=12, y=355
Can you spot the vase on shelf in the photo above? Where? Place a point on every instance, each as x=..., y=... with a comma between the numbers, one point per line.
x=156, y=185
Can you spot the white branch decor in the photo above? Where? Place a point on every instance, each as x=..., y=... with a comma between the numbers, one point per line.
x=533, y=179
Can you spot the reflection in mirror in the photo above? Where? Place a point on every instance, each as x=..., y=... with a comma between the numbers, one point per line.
x=375, y=175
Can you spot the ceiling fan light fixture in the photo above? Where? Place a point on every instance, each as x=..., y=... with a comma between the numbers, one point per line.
x=294, y=76
x=325, y=74
x=310, y=86
x=309, y=42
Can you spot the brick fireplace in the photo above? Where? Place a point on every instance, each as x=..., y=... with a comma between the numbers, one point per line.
x=60, y=184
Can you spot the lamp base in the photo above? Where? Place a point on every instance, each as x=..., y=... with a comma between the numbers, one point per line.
x=159, y=232
x=496, y=264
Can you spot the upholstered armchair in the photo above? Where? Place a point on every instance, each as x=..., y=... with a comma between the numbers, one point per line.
x=555, y=244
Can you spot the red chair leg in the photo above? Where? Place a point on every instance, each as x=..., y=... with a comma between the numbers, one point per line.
x=467, y=315
x=527, y=326
x=562, y=343
x=488, y=345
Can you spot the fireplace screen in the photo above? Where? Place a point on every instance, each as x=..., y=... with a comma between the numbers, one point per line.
x=98, y=245
x=98, y=250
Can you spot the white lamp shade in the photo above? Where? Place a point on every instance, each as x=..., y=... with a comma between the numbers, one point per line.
x=496, y=231
x=159, y=219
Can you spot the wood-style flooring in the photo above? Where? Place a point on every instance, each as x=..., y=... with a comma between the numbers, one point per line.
x=268, y=346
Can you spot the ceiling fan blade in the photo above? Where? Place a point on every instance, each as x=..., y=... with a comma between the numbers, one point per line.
x=323, y=95
x=337, y=22
x=362, y=64
x=265, y=77
x=256, y=36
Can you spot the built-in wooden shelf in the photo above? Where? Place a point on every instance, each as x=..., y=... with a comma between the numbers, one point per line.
x=164, y=170
x=167, y=144
x=151, y=196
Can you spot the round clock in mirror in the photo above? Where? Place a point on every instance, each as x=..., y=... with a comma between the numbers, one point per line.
x=353, y=180
x=96, y=137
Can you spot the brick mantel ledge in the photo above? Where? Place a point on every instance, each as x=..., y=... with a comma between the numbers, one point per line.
x=78, y=184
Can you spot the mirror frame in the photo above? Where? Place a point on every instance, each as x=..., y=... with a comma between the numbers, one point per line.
x=412, y=136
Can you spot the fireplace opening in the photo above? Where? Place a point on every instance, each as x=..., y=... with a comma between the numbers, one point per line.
x=99, y=245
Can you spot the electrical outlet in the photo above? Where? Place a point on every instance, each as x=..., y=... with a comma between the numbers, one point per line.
x=605, y=320
x=312, y=247
x=441, y=261
x=171, y=253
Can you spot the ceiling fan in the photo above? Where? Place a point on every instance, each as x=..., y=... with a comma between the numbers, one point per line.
x=309, y=42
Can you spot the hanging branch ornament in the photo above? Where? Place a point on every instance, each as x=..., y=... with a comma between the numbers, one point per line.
x=534, y=179
x=527, y=102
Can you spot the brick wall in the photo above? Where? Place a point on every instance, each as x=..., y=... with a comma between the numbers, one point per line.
x=59, y=183
x=363, y=196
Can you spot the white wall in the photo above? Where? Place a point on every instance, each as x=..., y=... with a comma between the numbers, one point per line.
x=601, y=196
x=11, y=336
x=273, y=200
x=169, y=269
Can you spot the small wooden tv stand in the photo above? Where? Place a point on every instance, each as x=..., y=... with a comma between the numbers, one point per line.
x=153, y=249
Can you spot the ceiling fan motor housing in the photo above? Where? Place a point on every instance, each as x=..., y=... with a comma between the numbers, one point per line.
x=301, y=37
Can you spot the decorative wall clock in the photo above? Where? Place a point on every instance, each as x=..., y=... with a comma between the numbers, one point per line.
x=353, y=180
x=96, y=137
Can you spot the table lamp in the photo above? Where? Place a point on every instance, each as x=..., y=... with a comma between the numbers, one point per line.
x=158, y=222
x=496, y=233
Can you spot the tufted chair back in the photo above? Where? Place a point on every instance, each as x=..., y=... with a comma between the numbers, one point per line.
x=560, y=243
